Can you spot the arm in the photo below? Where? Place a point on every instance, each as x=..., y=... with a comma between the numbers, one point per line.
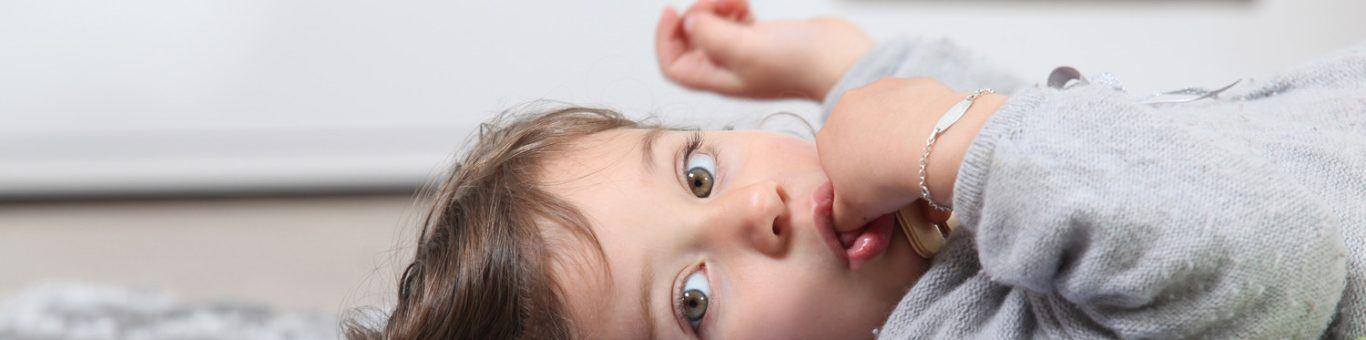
x=1088, y=214
x=1151, y=223
x=717, y=46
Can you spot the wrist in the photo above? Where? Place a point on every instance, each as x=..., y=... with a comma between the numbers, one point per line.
x=950, y=147
x=832, y=61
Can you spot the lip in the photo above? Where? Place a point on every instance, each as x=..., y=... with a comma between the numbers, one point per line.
x=822, y=213
x=872, y=241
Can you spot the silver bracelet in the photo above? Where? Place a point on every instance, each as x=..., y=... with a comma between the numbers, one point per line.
x=951, y=116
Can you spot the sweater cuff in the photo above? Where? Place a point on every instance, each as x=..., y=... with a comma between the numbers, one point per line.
x=974, y=173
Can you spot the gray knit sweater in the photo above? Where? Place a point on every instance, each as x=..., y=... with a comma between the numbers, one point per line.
x=1090, y=215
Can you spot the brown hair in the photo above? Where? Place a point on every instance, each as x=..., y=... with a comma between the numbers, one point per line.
x=482, y=268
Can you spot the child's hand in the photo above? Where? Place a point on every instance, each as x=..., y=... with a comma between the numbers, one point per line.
x=717, y=46
x=871, y=144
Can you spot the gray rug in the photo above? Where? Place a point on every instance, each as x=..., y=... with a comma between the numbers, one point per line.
x=89, y=311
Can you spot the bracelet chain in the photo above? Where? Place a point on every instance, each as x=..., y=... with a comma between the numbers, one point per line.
x=929, y=144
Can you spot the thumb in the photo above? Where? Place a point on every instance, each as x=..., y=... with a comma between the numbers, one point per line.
x=720, y=38
x=848, y=216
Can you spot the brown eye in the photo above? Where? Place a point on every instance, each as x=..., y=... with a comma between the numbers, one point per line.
x=694, y=299
x=700, y=181
x=694, y=305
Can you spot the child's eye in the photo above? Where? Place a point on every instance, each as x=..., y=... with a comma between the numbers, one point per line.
x=700, y=170
x=692, y=303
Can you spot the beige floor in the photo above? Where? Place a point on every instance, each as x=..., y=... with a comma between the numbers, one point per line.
x=319, y=253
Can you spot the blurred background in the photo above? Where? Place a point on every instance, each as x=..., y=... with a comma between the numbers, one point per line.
x=267, y=152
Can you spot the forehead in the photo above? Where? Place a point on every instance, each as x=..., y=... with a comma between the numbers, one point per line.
x=601, y=158
x=604, y=175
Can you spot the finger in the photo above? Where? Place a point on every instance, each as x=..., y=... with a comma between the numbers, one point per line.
x=708, y=6
x=669, y=41
x=737, y=10
x=932, y=214
x=696, y=70
x=847, y=215
x=721, y=38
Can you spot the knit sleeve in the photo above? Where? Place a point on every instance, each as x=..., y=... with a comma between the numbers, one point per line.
x=1154, y=223
x=922, y=57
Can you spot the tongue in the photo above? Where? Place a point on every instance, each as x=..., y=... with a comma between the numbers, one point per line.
x=864, y=244
x=856, y=240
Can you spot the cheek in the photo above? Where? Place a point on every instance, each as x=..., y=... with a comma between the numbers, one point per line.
x=784, y=302
x=784, y=154
x=781, y=305
x=794, y=146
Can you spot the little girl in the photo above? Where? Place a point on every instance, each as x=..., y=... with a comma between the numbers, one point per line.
x=1085, y=212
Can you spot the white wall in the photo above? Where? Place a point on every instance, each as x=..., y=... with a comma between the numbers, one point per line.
x=161, y=95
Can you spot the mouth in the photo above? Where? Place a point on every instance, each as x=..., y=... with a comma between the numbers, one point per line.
x=867, y=243
x=854, y=248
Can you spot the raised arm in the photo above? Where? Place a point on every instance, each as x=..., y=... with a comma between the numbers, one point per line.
x=717, y=46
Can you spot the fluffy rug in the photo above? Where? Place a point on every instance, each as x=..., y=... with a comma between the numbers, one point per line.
x=87, y=311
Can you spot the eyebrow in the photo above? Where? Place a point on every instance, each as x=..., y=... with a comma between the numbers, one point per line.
x=647, y=280
x=647, y=150
x=648, y=142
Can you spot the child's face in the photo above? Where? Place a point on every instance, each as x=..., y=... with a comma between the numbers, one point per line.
x=755, y=247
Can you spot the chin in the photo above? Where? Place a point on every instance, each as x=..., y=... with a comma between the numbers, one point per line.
x=862, y=328
x=897, y=272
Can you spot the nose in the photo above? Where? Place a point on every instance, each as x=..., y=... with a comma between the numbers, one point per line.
x=754, y=217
